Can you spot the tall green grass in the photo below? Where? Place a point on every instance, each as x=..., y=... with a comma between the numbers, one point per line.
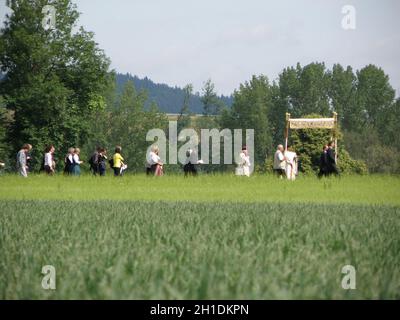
x=384, y=190
x=213, y=237
x=186, y=250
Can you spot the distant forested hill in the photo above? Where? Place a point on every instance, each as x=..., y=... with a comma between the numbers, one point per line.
x=169, y=99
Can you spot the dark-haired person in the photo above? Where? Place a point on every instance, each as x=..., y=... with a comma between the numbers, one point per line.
x=22, y=166
x=101, y=160
x=94, y=161
x=49, y=163
x=331, y=159
x=191, y=162
x=118, y=161
x=323, y=162
x=69, y=161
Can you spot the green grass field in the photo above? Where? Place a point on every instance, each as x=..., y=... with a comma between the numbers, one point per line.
x=213, y=237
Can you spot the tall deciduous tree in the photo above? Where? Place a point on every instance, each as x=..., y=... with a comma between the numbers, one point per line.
x=250, y=110
x=375, y=96
x=211, y=103
x=342, y=94
x=54, y=77
x=184, y=118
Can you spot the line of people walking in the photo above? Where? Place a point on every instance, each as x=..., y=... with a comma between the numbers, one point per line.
x=285, y=162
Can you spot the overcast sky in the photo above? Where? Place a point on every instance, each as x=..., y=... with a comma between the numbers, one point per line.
x=185, y=41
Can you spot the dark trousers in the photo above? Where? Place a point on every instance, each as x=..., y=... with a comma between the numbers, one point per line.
x=95, y=170
x=190, y=169
x=332, y=169
x=279, y=172
x=48, y=170
x=322, y=172
x=102, y=169
x=117, y=172
x=150, y=171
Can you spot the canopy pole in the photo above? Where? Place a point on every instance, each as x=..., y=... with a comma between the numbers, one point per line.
x=336, y=127
x=287, y=129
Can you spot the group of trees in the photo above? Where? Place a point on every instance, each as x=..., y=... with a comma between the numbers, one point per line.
x=169, y=99
x=54, y=78
x=58, y=89
x=364, y=100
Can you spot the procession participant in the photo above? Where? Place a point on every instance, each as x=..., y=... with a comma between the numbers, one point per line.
x=291, y=163
x=154, y=165
x=243, y=168
x=49, y=163
x=22, y=160
x=118, y=162
x=323, y=170
x=68, y=161
x=331, y=160
x=76, y=167
x=279, y=162
x=191, y=162
x=94, y=161
x=102, y=158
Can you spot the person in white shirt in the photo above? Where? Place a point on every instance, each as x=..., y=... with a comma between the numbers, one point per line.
x=279, y=162
x=291, y=164
x=154, y=165
x=49, y=164
x=243, y=168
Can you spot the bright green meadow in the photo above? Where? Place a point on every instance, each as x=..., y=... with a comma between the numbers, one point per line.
x=210, y=237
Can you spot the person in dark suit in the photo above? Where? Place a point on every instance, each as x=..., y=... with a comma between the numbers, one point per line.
x=323, y=162
x=190, y=164
x=331, y=159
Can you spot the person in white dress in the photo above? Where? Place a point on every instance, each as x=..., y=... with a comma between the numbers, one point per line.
x=243, y=163
x=291, y=163
x=154, y=166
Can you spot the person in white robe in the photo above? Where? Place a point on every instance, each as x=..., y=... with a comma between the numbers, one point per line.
x=243, y=163
x=291, y=164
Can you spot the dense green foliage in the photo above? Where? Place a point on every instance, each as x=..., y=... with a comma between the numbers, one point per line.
x=54, y=79
x=308, y=145
x=58, y=89
x=125, y=124
x=169, y=99
x=291, y=243
x=364, y=102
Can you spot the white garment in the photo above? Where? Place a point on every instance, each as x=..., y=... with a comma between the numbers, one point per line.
x=279, y=162
x=152, y=159
x=48, y=160
x=76, y=159
x=291, y=165
x=243, y=168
